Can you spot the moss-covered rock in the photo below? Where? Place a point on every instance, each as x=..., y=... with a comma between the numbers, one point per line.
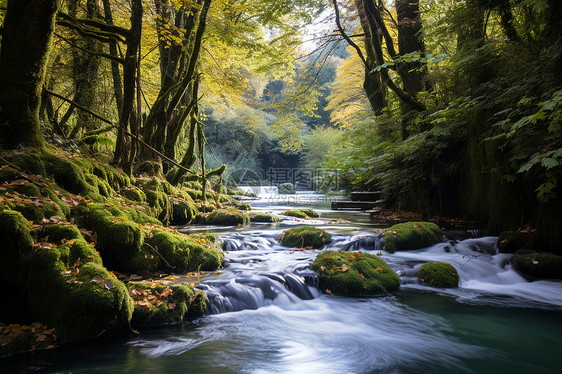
x=412, y=235
x=181, y=253
x=183, y=212
x=59, y=232
x=228, y=217
x=62, y=285
x=541, y=266
x=264, y=217
x=354, y=274
x=439, y=274
x=513, y=241
x=302, y=213
x=150, y=168
x=241, y=206
x=160, y=304
x=296, y=213
x=311, y=213
x=17, y=243
x=133, y=193
x=8, y=174
x=305, y=236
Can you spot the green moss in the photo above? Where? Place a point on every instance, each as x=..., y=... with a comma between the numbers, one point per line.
x=226, y=217
x=30, y=162
x=173, y=304
x=29, y=189
x=182, y=253
x=183, y=212
x=120, y=241
x=242, y=206
x=17, y=242
x=57, y=288
x=311, y=213
x=264, y=217
x=513, y=241
x=296, y=213
x=354, y=274
x=150, y=168
x=412, y=235
x=542, y=266
x=439, y=274
x=8, y=174
x=134, y=194
x=305, y=236
x=57, y=233
x=70, y=176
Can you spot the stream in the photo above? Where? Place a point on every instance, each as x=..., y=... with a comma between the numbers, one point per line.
x=267, y=316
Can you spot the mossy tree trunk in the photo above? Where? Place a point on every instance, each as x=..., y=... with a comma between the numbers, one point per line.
x=26, y=44
x=177, y=99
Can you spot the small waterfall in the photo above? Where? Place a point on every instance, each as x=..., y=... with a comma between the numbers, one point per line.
x=257, y=290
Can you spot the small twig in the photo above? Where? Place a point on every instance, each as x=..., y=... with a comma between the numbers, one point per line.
x=158, y=253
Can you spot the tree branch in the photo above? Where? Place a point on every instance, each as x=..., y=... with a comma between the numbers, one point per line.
x=105, y=55
x=103, y=27
x=103, y=119
x=346, y=37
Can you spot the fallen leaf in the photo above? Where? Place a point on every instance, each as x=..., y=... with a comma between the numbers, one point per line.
x=344, y=268
x=108, y=284
x=171, y=306
x=379, y=269
x=361, y=275
x=329, y=292
x=96, y=279
x=192, y=285
x=40, y=338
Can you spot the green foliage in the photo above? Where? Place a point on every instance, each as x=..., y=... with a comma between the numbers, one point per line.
x=286, y=188
x=354, y=274
x=412, y=235
x=439, y=274
x=305, y=236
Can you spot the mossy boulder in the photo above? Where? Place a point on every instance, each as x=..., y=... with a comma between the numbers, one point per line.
x=354, y=274
x=302, y=213
x=541, y=266
x=412, y=235
x=264, y=217
x=241, y=206
x=63, y=284
x=161, y=304
x=305, y=236
x=228, y=217
x=513, y=241
x=181, y=253
x=439, y=274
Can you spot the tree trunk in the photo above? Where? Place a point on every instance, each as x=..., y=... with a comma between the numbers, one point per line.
x=375, y=89
x=115, y=72
x=122, y=146
x=26, y=44
x=410, y=40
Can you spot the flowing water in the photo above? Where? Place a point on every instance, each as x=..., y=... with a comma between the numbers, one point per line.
x=267, y=316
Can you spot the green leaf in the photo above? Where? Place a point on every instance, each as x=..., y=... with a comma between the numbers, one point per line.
x=525, y=167
x=549, y=163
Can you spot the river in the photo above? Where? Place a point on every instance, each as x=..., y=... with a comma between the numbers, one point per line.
x=266, y=316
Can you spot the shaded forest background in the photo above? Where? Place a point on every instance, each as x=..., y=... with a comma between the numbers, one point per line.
x=452, y=108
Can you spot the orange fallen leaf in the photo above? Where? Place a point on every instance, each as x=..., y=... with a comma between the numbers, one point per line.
x=379, y=269
x=344, y=268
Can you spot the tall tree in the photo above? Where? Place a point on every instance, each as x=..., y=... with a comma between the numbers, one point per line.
x=26, y=43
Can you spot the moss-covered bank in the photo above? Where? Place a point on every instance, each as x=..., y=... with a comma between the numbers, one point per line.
x=354, y=274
